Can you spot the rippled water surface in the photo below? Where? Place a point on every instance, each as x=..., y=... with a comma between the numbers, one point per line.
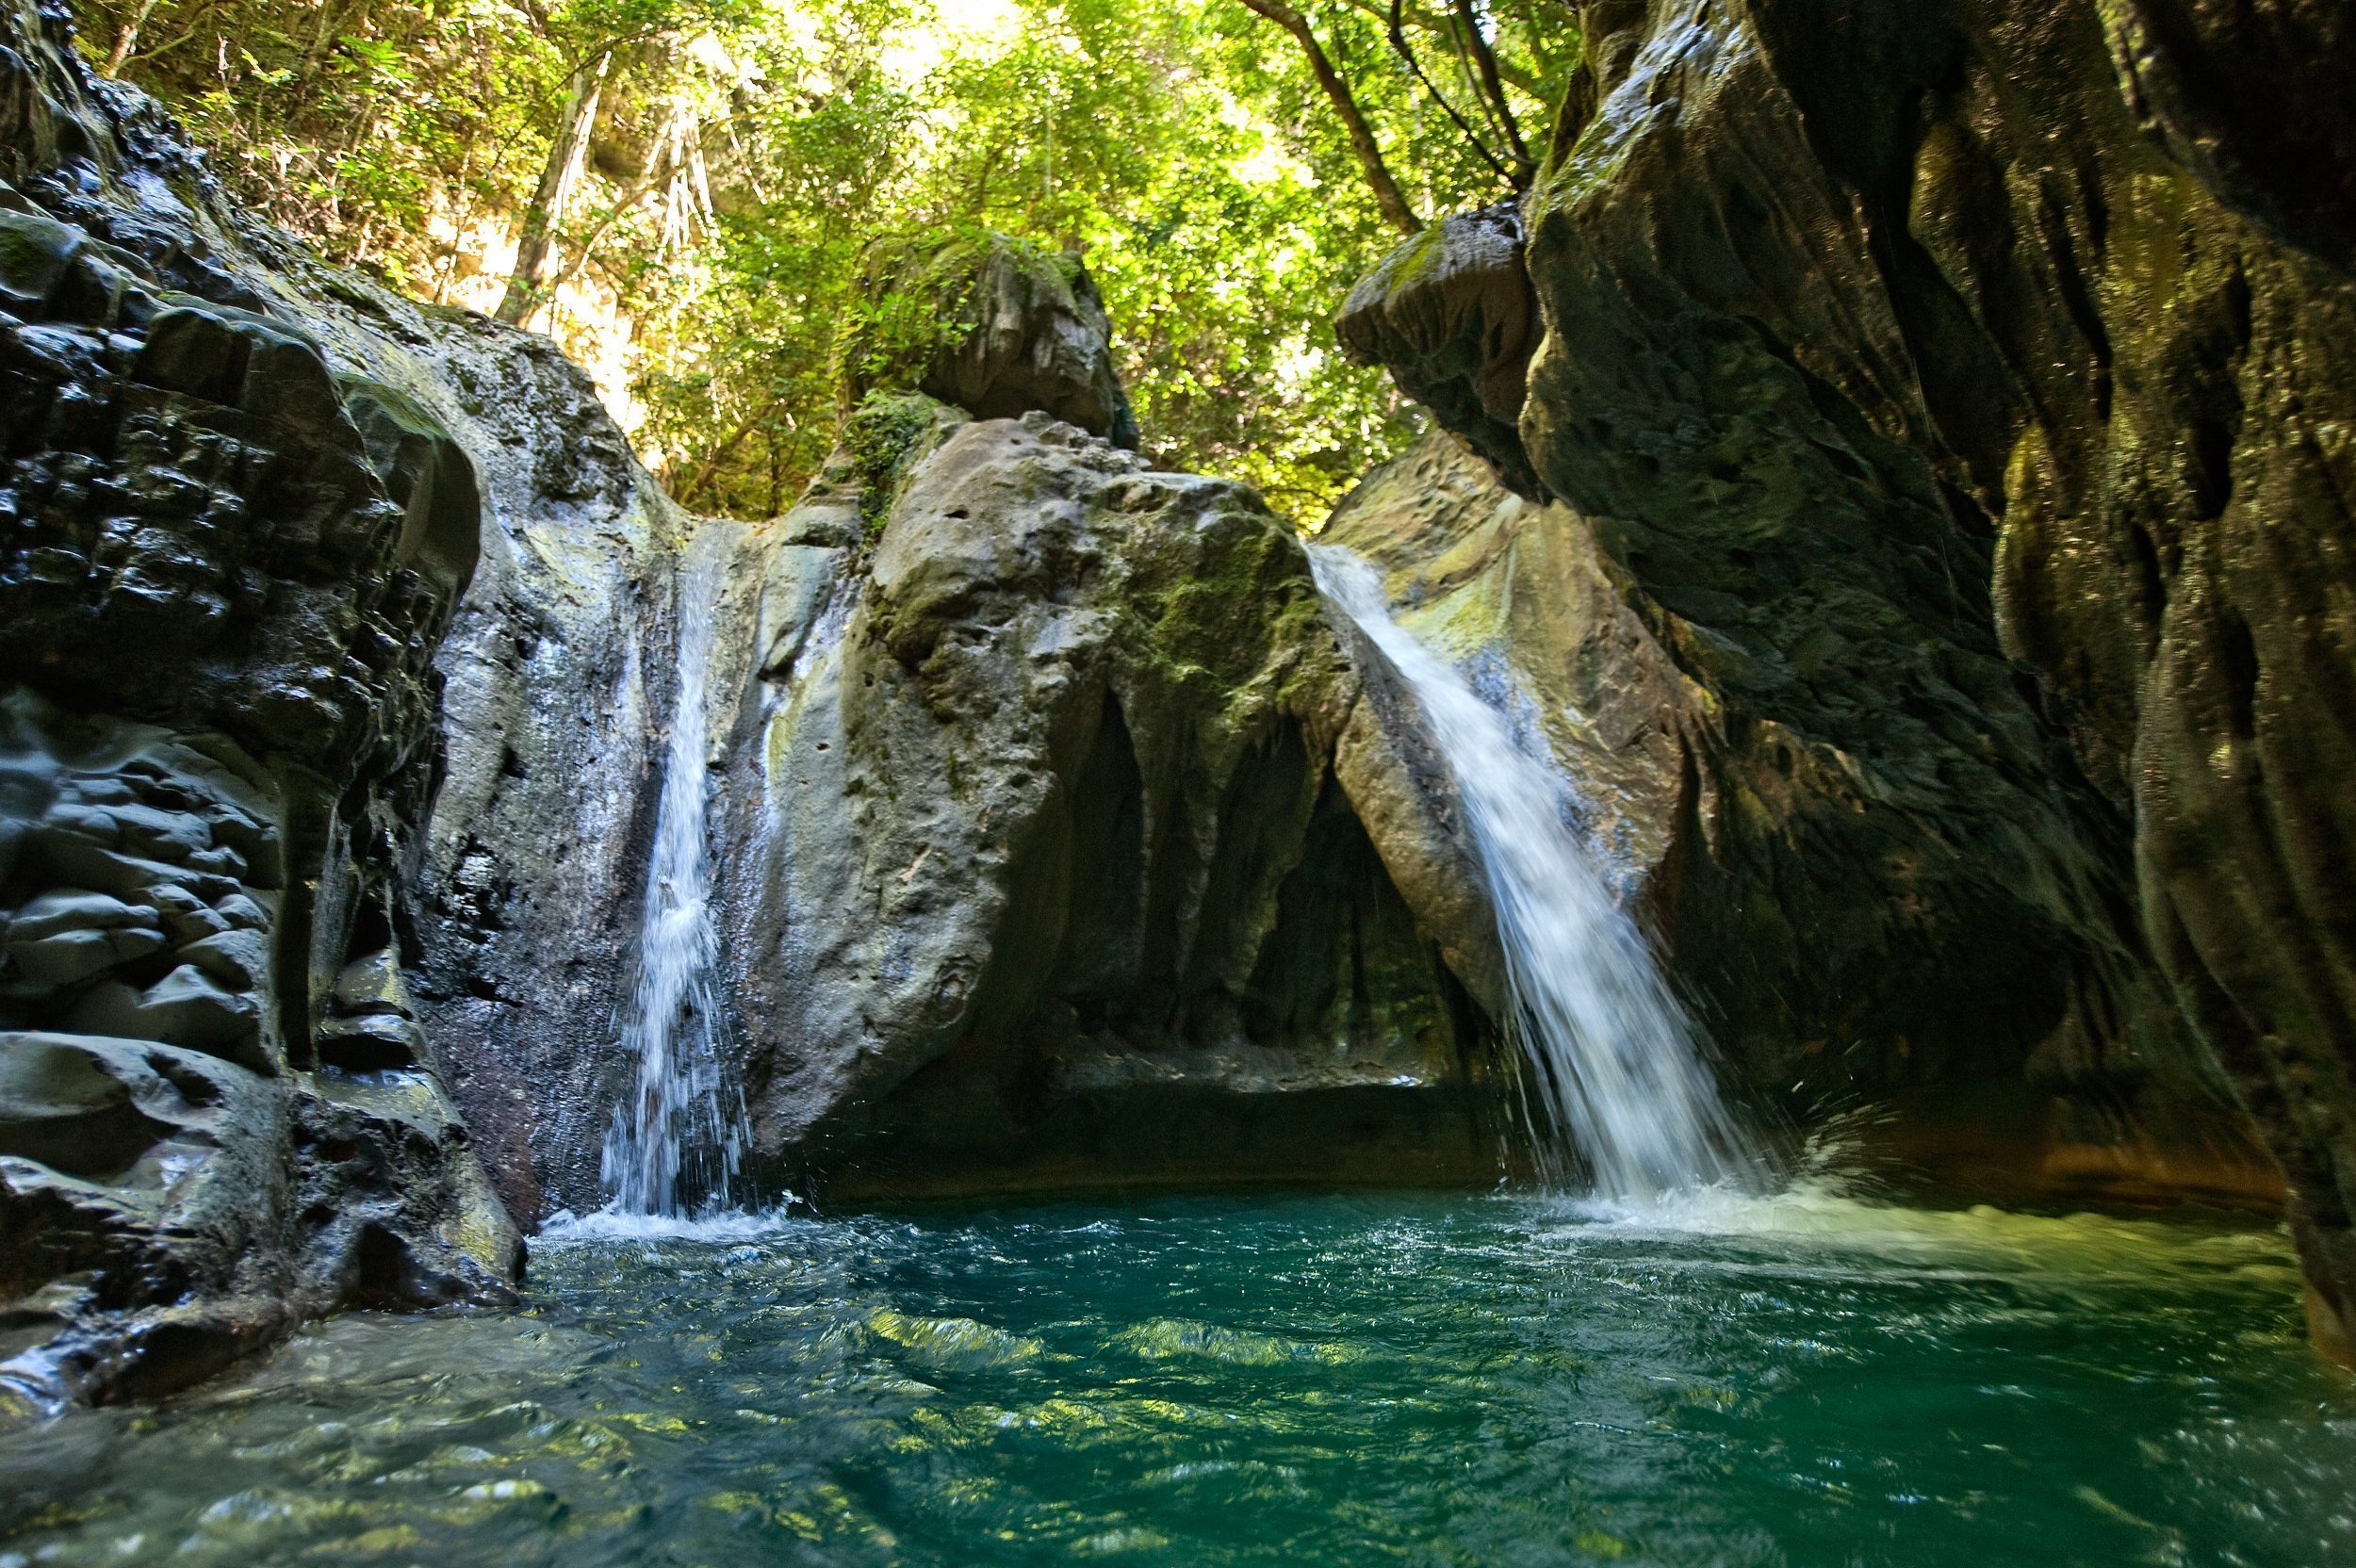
x=1346, y=1380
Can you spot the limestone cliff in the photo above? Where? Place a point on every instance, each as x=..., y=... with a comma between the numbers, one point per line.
x=1961, y=387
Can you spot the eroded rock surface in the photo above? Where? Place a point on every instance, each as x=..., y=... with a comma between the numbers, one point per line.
x=229, y=545
x=1848, y=939
x=1451, y=314
x=1048, y=875
x=1037, y=846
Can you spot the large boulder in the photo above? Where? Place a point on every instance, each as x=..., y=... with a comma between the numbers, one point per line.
x=992, y=324
x=1052, y=842
x=1451, y=315
x=1045, y=873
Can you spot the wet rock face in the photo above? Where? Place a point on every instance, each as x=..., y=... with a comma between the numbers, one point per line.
x=1964, y=378
x=559, y=683
x=227, y=552
x=1841, y=941
x=1039, y=813
x=1451, y=314
x=1045, y=873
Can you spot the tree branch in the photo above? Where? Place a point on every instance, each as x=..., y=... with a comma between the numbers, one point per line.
x=1387, y=192
x=721, y=453
x=1471, y=38
x=1406, y=52
x=1520, y=76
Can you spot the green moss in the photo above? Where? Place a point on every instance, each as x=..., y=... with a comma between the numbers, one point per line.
x=881, y=436
x=34, y=253
x=1415, y=260
x=1241, y=619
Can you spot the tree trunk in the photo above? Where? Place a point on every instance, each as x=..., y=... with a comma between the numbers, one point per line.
x=126, y=38
x=535, y=251
x=1387, y=192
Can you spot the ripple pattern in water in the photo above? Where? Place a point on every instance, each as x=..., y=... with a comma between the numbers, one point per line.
x=1427, y=1380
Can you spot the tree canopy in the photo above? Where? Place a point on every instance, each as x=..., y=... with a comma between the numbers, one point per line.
x=680, y=190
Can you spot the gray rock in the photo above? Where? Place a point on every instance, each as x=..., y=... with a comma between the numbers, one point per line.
x=1064, y=791
x=62, y=1106
x=1451, y=315
x=36, y=254
x=183, y=1008
x=240, y=912
x=996, y=326
x=69, y=956
x=229, y=545
x=187, y=918
x=76, y=909
x=372, y=1043
x=238, y=962
x=372, y=985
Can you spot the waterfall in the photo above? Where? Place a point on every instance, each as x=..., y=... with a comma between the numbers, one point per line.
x=1619, y=1064
x=677, y=1135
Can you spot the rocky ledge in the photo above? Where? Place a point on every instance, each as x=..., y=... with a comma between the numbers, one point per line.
x=230, y=544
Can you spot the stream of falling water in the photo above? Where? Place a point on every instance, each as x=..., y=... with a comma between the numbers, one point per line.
x=678, y=1133
x=1620, y=1066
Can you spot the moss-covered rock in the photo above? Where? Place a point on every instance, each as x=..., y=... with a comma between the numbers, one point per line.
x=997, y=325
x=881, y=439
x=1451, y=313
x=1045, y=873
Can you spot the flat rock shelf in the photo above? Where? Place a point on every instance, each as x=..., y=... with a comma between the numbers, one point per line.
x=1271, y=1380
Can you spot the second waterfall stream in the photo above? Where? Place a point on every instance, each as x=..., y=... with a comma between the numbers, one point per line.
x=1627, y=1090
x=679, y=1132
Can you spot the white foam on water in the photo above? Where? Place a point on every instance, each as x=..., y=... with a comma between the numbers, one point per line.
x=565, y=1227
x=1622, y=1069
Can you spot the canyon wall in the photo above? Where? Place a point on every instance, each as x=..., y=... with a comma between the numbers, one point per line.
x=1913, y=516
x=1963, y=389
x=230, y=542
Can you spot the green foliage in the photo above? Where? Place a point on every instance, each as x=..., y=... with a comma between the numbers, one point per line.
x=879, y=436
x=747, y=152
x=914, y=302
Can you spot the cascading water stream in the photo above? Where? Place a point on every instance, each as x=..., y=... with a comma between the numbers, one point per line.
x=1621, y=1067
x=678, y=1135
